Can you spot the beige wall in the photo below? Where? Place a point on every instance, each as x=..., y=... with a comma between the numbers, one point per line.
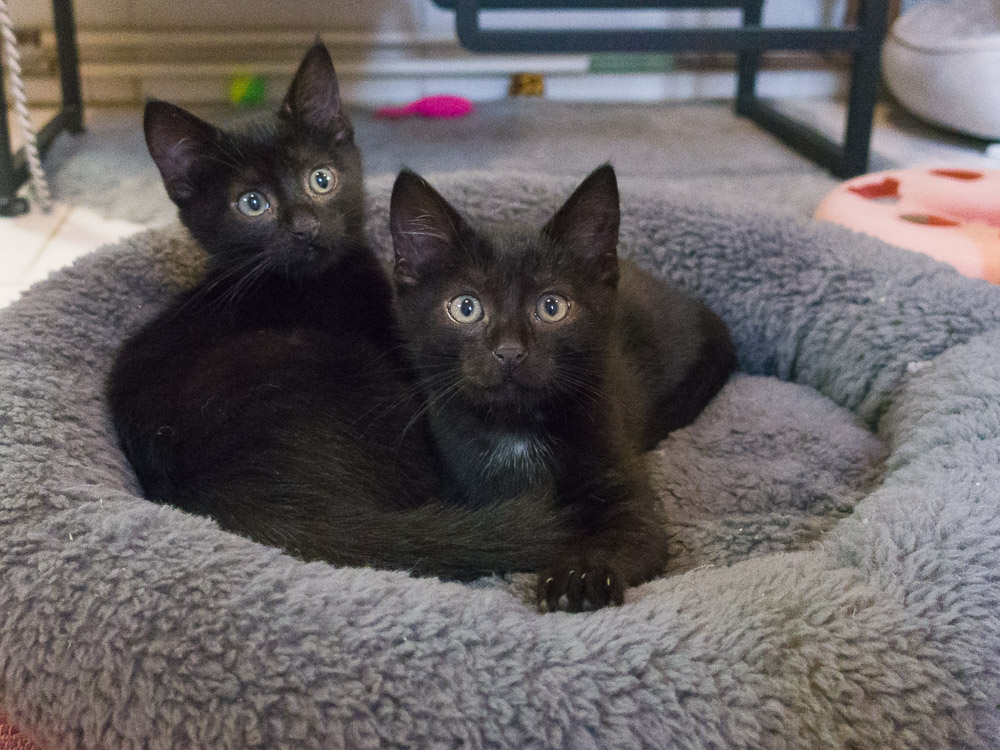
x=415, y=38
x=348, y=15
x=244, y=14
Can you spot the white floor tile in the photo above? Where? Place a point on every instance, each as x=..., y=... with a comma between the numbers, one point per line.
x=8, y=294
x=22, y=239
x=82, y=232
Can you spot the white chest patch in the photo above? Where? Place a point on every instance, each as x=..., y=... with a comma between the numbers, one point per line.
x=516, y=453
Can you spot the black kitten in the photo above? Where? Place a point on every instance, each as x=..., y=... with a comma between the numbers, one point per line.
x=269, y=397
x=549, y=365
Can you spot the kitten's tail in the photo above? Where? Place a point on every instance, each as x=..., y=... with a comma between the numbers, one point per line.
x=518, y=535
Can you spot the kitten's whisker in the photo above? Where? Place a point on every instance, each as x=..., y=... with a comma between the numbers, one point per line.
x=219, y=279
x=578, y=390
x=245, y=284
x=435, y=235
x=451, y=392
x=403, y=397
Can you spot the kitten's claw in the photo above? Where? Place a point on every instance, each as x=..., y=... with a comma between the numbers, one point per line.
x=587, y=586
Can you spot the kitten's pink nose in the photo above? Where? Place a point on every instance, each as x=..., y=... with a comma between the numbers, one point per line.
x=509, y=354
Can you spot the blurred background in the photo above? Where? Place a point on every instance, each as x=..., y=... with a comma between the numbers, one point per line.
x=386, y=51
x=662, y=117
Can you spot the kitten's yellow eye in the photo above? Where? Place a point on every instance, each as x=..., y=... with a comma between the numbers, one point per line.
x=252, y=203
x=465, y=309
x=551, y=308
x=322, y=180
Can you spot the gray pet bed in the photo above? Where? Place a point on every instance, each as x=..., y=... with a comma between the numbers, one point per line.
x=834, y=517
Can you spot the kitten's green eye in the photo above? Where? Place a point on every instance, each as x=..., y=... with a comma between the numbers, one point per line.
x=465, y=309
x=322, y=180
x=252, y=203
x=551, y=308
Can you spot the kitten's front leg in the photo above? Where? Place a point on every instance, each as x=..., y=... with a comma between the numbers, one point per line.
x=622, y=542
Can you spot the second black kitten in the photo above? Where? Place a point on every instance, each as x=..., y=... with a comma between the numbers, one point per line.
x=549, y=366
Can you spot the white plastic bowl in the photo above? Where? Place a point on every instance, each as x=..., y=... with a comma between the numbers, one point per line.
x=941, y=60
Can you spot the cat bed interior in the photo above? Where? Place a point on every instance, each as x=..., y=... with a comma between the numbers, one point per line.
x=940, y=60
x=834, y=523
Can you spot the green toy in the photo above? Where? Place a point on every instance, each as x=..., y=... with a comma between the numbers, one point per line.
x=248, y=89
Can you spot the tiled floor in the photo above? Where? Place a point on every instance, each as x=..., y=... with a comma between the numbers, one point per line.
x=37, y=243
x=32, y=246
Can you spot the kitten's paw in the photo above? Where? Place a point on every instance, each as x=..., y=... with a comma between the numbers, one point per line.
x=573, y=588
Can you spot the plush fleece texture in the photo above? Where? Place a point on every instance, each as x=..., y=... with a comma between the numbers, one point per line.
x=834, y=516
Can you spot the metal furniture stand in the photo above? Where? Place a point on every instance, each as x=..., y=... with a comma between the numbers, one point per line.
x=863, y=40
x=14, y=166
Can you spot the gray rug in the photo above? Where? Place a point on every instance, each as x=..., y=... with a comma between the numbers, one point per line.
x=702, y=147
x=834, y=515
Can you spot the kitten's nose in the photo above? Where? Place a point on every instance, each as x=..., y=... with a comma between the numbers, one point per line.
x=509, y=354
x=303, y=223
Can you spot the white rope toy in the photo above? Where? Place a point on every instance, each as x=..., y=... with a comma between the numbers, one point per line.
x=38, y=182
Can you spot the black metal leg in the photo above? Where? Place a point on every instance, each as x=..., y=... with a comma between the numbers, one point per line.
x=849, y=158
x=865, y=70
x=748, y=61
x=14, y=167
x=69, y=64
x=863, y=41
x=10, y=204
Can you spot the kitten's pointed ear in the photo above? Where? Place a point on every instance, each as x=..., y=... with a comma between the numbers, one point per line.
x=424, y=226
x=588, y=222
x=180, y=144
x=313, y=98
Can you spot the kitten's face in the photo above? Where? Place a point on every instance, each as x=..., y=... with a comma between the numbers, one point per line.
x=281, y=196
x=510, y=320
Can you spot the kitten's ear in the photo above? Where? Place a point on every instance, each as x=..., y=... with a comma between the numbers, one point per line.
x=313, y=98
x=180, y=144
x=588, y=222
x=424, y=226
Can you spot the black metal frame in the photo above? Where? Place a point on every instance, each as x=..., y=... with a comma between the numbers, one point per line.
x=14, y=166
x=863, y=40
